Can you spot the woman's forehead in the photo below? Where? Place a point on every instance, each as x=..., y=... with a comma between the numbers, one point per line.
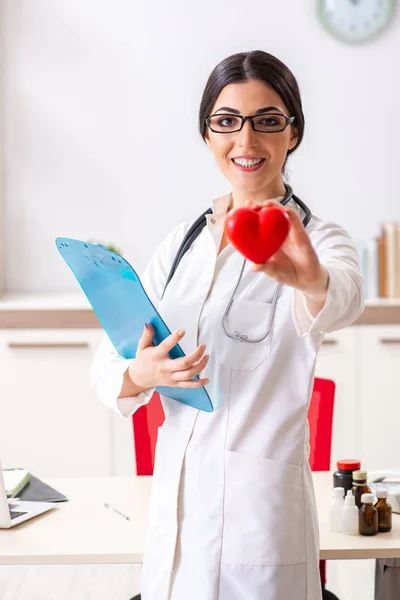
x=248, y=97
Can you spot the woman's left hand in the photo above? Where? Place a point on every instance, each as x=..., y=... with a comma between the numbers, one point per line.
x=296, y=263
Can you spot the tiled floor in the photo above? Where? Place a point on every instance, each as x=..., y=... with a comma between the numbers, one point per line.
x=76, y=582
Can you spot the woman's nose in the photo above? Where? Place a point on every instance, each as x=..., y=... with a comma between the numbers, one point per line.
x=247, y=136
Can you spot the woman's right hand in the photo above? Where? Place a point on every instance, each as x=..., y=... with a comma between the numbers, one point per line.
x=153, y=366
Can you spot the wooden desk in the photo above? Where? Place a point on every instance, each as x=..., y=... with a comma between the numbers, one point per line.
x=82, y=531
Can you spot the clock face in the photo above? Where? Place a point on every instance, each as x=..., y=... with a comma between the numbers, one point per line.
x=355, y=20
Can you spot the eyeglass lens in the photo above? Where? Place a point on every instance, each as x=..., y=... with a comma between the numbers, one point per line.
x=268, y=123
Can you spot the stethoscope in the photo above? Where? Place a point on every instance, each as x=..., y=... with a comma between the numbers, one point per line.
x=242, y=337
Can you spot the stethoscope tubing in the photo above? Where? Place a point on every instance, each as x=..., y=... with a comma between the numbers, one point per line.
x=242, y=337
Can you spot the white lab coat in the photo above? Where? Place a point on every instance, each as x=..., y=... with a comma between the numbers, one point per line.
x=233, y=514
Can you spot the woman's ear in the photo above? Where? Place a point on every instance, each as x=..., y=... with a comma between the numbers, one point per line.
x=294, y=138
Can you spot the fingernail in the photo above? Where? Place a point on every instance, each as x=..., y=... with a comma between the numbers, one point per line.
x=206, y=381
x=181, y=332
x=146, y=327
x=207, y=356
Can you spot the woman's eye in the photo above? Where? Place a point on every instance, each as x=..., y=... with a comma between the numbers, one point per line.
x=227, y=122
x=269, y=121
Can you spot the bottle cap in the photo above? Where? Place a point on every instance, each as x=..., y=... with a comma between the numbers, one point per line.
x=381, y=493
x=359, y=475
x=349, y=500
x=367, y=498
x=338, y=492
x=349, y=464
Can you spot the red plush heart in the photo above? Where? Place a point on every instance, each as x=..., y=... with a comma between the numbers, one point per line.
x=257, y=233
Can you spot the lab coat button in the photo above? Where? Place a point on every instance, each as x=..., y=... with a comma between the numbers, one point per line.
x=213, y=221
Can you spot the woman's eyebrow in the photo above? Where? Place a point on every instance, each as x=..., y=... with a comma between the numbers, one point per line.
x=267, y=109
x=234, y=111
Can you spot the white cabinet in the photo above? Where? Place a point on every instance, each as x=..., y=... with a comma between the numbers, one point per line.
x=50, y=422
x=364, y=361
x=378, y=426
x=337, y=360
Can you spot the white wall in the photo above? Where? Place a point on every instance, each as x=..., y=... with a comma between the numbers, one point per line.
x=99, y=121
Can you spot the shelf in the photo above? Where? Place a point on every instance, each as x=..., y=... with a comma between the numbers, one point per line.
x=37, y=311
x=381, y=302
x=44, y=302
x=42, y=311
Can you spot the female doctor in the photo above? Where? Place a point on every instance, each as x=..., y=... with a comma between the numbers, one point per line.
x=233, y=513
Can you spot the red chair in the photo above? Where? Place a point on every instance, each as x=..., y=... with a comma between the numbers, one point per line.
x=148, y=418
x=146, y=421
x=320, y=418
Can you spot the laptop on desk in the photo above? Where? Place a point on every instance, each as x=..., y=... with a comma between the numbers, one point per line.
x=14, y=511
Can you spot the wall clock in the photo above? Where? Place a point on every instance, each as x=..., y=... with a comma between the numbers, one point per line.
x=355, y=21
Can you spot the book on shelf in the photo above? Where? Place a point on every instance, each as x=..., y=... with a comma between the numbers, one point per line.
x=381, y=266
x=380, y=263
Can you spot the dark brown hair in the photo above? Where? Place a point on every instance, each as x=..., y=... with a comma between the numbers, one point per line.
x=260, y=66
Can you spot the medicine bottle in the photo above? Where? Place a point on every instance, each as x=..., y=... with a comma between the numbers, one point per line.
x=384, y=511
x=360, y=486
x=368, y=516
x=350, y=523
x=343, y=477
x=336, y=510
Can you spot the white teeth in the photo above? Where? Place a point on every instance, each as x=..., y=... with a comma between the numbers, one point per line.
x=247, y=163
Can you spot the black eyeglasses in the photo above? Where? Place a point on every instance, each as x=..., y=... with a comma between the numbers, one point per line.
x=264, y=123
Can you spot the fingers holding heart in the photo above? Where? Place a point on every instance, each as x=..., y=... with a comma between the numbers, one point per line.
x=296, y=224
x=270, y=267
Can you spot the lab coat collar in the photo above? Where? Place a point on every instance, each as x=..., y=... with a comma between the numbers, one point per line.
x=220, y=205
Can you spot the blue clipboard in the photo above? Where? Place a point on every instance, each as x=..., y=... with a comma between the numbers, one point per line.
x=122, y=306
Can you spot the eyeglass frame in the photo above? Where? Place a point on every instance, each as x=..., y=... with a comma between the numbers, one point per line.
x=289, y=121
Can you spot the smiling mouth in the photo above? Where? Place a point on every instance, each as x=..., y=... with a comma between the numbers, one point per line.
x=251, y=164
